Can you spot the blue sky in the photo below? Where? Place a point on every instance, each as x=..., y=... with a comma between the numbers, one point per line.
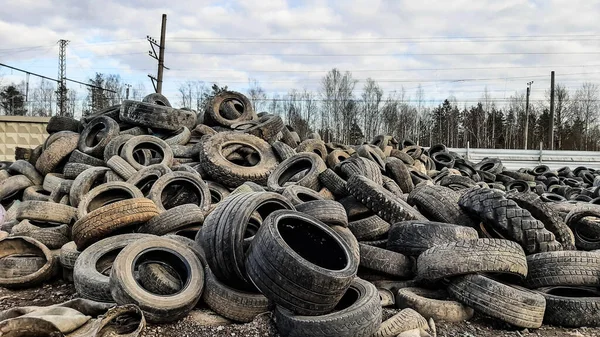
x=500, y=45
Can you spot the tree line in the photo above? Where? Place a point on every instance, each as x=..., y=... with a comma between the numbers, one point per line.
x=340, y=111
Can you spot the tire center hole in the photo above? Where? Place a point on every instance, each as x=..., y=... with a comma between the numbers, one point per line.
x=312, y=243
x=161, y=271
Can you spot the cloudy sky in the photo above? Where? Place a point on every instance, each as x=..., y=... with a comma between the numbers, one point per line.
x=453, y=47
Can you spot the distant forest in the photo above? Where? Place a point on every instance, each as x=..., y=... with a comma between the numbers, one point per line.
x=341, y=112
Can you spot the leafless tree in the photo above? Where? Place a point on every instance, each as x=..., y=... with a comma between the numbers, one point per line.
x=337, y=92
x=257, y=94
x=371, y=101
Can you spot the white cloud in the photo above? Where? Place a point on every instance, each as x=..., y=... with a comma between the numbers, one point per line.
x=287, y=30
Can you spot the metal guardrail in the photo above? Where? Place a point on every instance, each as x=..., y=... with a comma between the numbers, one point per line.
x=516, y=159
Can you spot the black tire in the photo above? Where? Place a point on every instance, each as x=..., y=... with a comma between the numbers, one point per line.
x=73, y=170
x=267, y=127
x=129, y=149
x=82, y=158
x=25, y=168
x=442, y=160
x=357, y=315
x=385, y=261
x=516, y=306
x=372, y=153
x=297, y=274
x=491, y=165
x=551, y=219
x=310, y=163
x=178, y=217
x=157, y=308
x=179, y=188
x=113, y=148
x=371, y=227
x=61, y=123
x=381, y=201
x=36, y=193
x=52, y=237
x=398, y=171
x=433, y=304
x=571, y=307
x=406, y=159
x=506, y=219
x=456, y=182
x=333, y=183
x=438, y=203
x=563, y=268
x=156, y=98
x=472, y=256
x=298, y=194
x=224, y=230
x=158, y=278
x=414, y=237
x=313, y=146
x=84, y=182
x=96, y=135
x=329, y=212
x=145, y=178
x=121, y=167
x=586, y=237
x=234, y=173
x=360, y=166
x=156, y=116
x=236, y=305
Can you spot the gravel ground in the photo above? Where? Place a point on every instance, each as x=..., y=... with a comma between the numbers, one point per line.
x=195, y=323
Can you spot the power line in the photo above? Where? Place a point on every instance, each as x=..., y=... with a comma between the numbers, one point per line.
x=388, y=54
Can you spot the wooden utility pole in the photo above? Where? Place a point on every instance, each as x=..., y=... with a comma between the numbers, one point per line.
x=158, y=80
x=527, y=114
x=551, y=126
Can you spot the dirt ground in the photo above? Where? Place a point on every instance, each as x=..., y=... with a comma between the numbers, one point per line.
x=263, y=326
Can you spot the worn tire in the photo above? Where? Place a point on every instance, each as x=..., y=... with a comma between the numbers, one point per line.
x=156, y=116
x=157, y=308
x=398, y=171
x=25, y=168
x=311, y=163
x=299, y=194
x=472, y=256
x=385, y=261
x=439, y=203
x=231, y=303
x=508, y=219
x=56, y=152
x=300, y=277
x=146, y=142
x=329, y=212
x=105, y=194
x=433, y=304
x=563, y=268
x=26, y=246
x=380, y=201
x=571, y=307
x=196, y=191
x=359, y=315
x=224, y=230
x=333, y=183
x=414, y=237
x=187, y=215
x=516, y=306
x=96, y=135
x=105, y=220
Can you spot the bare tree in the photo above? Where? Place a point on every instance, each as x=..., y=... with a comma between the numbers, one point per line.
x=419, y=111
x=337, y=92
x=257, y=94
x=42, y=99
x=586, y=107
x=371, y=100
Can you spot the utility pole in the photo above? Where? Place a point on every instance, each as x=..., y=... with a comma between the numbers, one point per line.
x=527, y=113
x=62, y=83
x=158, y=80
x=551, y=127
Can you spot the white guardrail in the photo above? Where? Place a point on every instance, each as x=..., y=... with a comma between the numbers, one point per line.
x=516, y=159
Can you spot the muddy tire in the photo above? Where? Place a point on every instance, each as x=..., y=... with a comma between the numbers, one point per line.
x=385, y=261
x=571, y=307
x=440, y=204
x=56, y=152
x=179, y=217
x=156, y=116
x=129, y=149
x=117, y=216
x=26, y=246
x=157, y=308
x=45, y=211
x=329, y=212
x=433, y=304
x=563, y=268
x=180, y=188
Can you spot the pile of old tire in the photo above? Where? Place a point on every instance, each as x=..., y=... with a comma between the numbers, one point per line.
x=166, y=208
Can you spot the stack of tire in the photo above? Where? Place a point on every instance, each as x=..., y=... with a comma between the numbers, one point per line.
x=165, y=208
